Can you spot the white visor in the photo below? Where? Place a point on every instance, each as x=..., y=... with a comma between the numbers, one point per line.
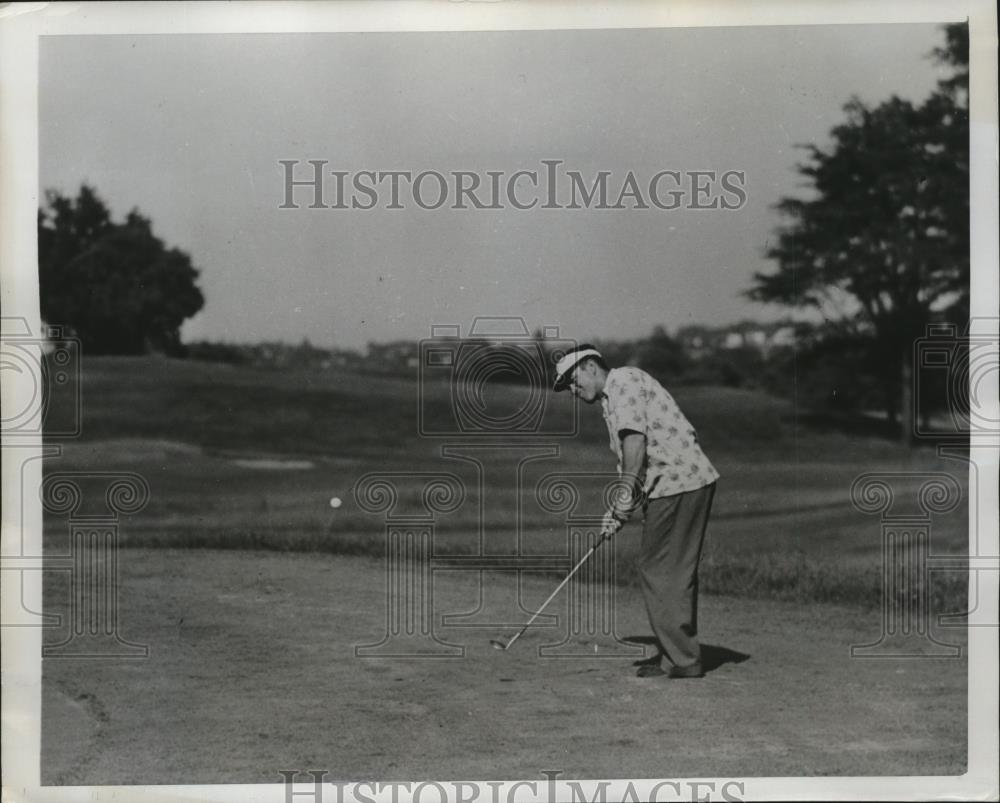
x=569, y=362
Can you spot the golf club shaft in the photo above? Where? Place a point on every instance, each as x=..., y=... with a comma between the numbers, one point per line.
x=584, y=559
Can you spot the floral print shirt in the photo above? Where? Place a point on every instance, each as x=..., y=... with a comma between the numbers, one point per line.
x=675, y=463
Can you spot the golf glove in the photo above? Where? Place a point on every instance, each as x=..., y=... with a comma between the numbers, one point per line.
x=611, y=524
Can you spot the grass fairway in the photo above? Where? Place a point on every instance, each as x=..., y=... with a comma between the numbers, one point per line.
x=783, y=525
x=252, y=666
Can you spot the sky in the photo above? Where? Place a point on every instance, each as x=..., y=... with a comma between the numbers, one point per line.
x=191, y=130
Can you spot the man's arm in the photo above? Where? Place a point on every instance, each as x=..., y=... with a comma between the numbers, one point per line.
x=633, y=473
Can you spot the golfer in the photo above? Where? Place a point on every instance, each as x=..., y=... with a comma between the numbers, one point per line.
x=671, y=480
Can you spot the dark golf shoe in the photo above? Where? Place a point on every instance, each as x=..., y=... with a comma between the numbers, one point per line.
x=650, y=671
x=689, y=671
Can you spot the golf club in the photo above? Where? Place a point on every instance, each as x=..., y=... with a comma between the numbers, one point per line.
x=500, y=644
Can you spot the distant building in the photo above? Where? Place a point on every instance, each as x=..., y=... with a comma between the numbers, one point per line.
x=399, y=356
x=700, y=342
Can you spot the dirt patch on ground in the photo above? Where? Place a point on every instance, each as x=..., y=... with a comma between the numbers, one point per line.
x=252, y=670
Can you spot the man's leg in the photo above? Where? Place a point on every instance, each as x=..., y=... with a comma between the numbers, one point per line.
x=672, y=539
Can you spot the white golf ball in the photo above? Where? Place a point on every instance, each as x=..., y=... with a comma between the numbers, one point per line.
x=335, y=502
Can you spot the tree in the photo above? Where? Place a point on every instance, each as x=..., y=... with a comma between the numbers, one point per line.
x=661, y=355
x=884, y=243
x=115, y=285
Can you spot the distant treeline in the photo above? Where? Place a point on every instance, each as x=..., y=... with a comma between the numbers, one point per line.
x=822, y=368
x=743, y=355
x=736, y=356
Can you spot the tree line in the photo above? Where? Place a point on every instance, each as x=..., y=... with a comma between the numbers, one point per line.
x=115, y=286
x=881, y=250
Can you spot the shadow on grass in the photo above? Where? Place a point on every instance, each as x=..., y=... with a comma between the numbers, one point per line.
x=712, y=655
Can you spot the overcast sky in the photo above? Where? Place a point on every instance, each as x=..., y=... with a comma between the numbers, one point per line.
x=191, y=129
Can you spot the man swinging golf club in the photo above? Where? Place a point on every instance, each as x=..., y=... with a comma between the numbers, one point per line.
x=673, y=483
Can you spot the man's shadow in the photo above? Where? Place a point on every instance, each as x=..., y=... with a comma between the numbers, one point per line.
x=712, y=656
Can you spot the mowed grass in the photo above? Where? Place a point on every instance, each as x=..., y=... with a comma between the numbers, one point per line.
x=783, y=524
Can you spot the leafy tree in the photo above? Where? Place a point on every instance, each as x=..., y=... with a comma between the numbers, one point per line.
x=119, y=288
x=884, y=243
x=662, y=356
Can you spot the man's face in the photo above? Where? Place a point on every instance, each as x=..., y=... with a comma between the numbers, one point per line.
x=585, y=382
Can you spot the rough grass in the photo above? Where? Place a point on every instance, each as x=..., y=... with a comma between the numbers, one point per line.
x=797, y=578
x=791, y=578
x=782, y=528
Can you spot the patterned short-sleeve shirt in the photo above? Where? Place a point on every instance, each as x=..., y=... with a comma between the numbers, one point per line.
x=675, y=463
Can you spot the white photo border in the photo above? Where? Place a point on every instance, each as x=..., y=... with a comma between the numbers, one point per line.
x=21, y=26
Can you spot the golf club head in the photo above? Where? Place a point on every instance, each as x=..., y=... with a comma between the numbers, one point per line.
x=497, y=644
